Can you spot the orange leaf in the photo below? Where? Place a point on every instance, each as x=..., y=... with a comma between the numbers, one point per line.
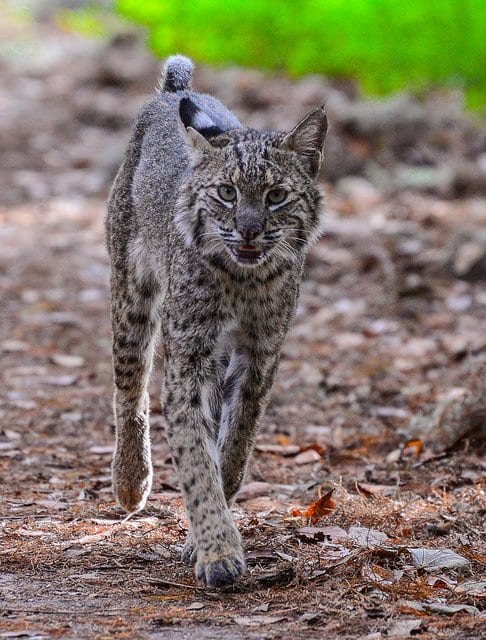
x=413, y=448
x=314, y=447
x=321, y=507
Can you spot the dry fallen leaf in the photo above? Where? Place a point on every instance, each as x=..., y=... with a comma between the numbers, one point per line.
x=380, y=575
x=60, y=381
x=413, y=448
x=404, y=628
x=433, y=559
x=13, y=346
x=66, y=360
x=88, y=539
x=445, y=609
x=278, y=449
x=32, y=635
x=472, y=588
x=393, y=456
x=321, y=507
x=440, y=582
x=307, y=456
x=257, y=621
x=277, y=578
x=254, y=490
x=102, y=449
x=373, y=490
x=320, y=534
x=369, y=538
x=321, y=449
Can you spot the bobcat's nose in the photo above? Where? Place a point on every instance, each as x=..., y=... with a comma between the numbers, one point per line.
x=249, y=227
x=250, y=234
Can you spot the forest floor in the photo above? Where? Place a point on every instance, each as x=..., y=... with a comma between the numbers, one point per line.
x=363, y=510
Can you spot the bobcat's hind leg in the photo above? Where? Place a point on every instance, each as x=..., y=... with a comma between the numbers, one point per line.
x=135, y=322
x=246, y=389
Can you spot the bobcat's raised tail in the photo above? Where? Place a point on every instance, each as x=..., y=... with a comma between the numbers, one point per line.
x=176, y=74
x=208, y=226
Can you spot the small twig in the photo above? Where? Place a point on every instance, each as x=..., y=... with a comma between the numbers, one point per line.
x=63, y=612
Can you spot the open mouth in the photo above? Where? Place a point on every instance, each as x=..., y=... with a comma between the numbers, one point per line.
x=247, y=253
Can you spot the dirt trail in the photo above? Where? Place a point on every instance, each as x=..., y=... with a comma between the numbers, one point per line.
x=391, y=319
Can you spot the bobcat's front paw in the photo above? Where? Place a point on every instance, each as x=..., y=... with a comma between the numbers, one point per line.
x=222, y=563
x=132, y=481
x=220, y=572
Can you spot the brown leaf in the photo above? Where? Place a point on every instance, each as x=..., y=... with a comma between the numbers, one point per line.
x=440, y=582
x=321, y=507
x=278, y=449
x=261, y=556
x=373, y=490
x=307, y=456
x=393, y=456
x=88, y=539
x=379, y=575
x=413, y=448
x=66, y=360
x=444, y=609
x=433, y=559
x=279, y=578
x=254, y=490
x=257, y=621
x=61, y=381
x=320, y=534
x=14, y=346
x=474, y=589
x=102, y=449
x=404, y=628
x=320, y=449
x=369, y=538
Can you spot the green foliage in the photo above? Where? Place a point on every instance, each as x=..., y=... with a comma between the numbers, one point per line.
x=385, y=44
x=86, y=21
x=93, y=20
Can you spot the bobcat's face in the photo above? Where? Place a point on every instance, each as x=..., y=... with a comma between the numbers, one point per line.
x=252, y=194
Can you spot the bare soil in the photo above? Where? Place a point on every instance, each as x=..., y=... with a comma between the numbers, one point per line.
x=380, y=394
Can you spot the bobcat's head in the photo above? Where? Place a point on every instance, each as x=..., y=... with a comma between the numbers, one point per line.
x=251, y=196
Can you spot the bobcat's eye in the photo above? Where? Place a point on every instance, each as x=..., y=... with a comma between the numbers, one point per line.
x=227, y=193
x=276, y=196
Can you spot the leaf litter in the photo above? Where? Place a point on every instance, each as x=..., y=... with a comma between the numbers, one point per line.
x=379, y=398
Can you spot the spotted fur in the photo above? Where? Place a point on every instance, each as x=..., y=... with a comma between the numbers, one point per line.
x=218, y=278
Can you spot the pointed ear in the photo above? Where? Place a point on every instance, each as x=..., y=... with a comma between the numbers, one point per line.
x=307, y=139
x=196, y=126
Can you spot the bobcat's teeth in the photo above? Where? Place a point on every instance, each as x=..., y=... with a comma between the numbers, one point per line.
x=247, y=253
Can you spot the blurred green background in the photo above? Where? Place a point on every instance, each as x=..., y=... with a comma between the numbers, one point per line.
x=382, y=45
x=385, y=45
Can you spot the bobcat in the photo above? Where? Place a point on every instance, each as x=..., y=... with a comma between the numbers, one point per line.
x=208, y=226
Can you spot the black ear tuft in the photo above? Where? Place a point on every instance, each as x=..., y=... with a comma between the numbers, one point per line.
x=192, y=116
x=187, y=111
